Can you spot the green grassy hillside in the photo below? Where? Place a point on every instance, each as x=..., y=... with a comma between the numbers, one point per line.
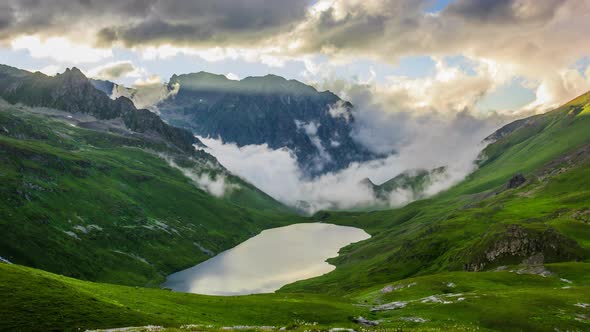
x=507, y=249
x=101, y=206
x=481, y=224
x=457, y=301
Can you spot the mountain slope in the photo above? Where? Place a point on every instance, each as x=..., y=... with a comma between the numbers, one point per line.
x=102, y=191
x=413, y=183
x=488, y=301
x=316, y=126
x=71, y=91
x=506, y=249
x=490, y=219
x=62, y=303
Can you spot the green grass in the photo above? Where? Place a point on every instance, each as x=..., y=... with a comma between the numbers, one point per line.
x=504, y=301
x=501, y=301
x=43, y=301
x=105, y=207
x=458, y=226
x=57, y=177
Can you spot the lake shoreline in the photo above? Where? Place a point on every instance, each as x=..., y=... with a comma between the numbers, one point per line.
x=268, y=261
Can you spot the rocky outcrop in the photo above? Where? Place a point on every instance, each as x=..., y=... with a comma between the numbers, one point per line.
x=73, y=92
x=517, y=243
x=516, y=181
x=507, y=129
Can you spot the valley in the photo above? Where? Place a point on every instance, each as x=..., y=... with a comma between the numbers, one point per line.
x=294, y=165
x=97, y=212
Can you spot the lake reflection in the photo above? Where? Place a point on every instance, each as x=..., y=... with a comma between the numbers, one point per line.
x=268, y=261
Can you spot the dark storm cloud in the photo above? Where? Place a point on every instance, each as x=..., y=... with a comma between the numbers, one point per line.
x=154, y=31
x=186, y=22
x=135, y=22
x=504, y=11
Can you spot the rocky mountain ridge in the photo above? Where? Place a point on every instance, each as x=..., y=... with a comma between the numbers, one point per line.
x=316, y=126
x=73, y=92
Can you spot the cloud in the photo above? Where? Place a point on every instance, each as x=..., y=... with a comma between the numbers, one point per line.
x=146, y=82
x=536, y=40
x=419, y=139
x=276, y=171
x=207, y=22
x=311, y=130
x=504, y=11
x=524, y=38
x=340, y=110
x=210, y=180
x=146, y=93
x=271, y=56
x=147, y=90
x=75, y=19
x=59, y=49
x=390, y=114
x=50, y=70
x=232, y=76
x=116, y=70
x=141, y=22
x=563, y=85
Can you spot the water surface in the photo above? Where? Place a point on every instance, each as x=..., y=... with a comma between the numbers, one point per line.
x=268, y=261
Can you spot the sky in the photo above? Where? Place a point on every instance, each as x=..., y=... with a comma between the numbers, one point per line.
x=527, y=55
x=429, y=79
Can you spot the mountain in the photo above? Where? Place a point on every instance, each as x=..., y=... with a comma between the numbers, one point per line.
x=95, y=189
x=114, y=90
x=316, y=126
x=413, y=182
x=71, y=91
x=506, y=249
x=526, y=204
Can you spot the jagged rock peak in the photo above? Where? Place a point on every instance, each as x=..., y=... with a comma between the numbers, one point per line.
x=74, y=72
x=73, y=76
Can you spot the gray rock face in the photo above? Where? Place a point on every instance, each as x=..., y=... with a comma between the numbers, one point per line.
x=73, y=92
x=516, y=181
x=508, y=129
x=517, y=243
x=271, y=110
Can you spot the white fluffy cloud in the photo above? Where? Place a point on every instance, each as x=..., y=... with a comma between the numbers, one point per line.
x=146, y=93
x=116, y=70
x=216, y=185
x=420, y=139
x=537, y=40
x=60, y=49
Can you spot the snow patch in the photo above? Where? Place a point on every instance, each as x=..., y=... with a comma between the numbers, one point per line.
x=339, y=110
x=157, y=225
x=72, y=234
x=204, y=250
x=139, y=258
x=87, y=229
